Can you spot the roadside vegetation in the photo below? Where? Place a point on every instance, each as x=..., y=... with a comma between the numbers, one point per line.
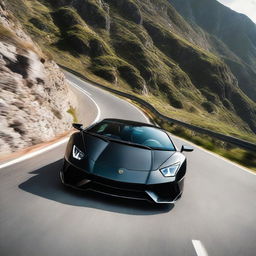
x=144, y=51
x=73, y=113
x=241, y=156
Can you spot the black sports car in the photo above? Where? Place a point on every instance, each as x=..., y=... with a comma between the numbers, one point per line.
x=125, y=159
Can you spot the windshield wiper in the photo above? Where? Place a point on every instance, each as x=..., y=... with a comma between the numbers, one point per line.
x=162, y=149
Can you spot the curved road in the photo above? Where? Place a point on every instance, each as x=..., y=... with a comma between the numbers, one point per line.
x=38, y=216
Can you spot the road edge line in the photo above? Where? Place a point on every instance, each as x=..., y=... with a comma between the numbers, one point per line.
x=56, y=144
x=199, y=248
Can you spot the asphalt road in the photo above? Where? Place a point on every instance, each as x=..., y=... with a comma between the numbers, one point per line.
x=38, y=216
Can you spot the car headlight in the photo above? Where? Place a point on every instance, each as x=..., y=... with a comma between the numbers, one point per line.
x=171, y=170
x=77, y=153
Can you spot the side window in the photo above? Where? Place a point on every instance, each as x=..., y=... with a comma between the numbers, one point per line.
x=102, y=128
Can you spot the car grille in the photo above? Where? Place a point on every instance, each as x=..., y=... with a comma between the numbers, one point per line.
x=74, y=176
x=159, y=192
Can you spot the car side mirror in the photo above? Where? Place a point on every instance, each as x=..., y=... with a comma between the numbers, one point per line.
x=186, y=148
x=78, y=126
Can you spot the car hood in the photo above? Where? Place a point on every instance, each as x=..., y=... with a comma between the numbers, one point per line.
x=120, y=161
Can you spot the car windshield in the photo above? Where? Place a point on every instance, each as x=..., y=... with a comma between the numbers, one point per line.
x=138, y=134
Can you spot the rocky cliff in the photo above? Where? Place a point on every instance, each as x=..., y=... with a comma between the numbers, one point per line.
x=34, y=95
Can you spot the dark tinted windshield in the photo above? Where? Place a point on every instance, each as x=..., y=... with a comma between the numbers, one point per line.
x=143, y=135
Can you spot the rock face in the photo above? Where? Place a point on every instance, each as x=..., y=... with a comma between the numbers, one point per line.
x=34, y=95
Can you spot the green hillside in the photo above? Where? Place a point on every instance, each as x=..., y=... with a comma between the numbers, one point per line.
x=232, y=36
x=144, y=47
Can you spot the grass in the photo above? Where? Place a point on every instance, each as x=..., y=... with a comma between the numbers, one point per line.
x=131, y=59
x=72, y=112
x=241, y=156
x=222, y=121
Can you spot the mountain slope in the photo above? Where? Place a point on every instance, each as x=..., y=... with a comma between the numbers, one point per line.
x=144, y=47
x=236, y=31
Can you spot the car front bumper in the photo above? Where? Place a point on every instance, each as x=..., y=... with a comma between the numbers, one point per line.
x=159, y=193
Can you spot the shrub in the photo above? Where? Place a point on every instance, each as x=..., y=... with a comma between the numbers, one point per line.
x=208, y=106
x=39, y=24
x=174, y=101
x=129, y=74
x=105, y=73
x=209, y=96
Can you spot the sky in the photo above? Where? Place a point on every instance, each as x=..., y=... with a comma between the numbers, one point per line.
x=247, y=7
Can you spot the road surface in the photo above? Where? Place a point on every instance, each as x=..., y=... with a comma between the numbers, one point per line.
x=38, y=216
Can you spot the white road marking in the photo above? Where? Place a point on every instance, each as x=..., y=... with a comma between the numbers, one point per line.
x=89, y=96
x=35, y=153
x=215, y=155
x=229, y=161
x=147, y=119
x=84, y=91
x=199, y=248
x=105, y=91
x=47, y=148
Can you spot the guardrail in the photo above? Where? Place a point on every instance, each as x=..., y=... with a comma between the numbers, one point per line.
x=232, y=140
